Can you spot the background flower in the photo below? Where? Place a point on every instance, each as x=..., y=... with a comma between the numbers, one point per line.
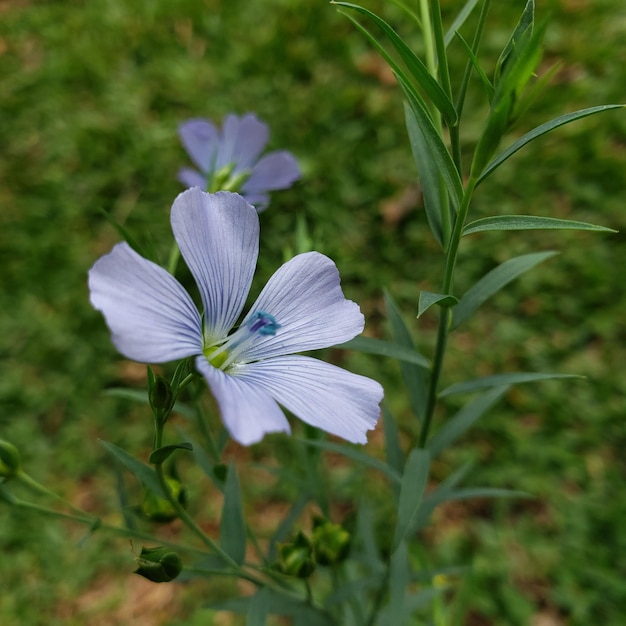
x=229, y=159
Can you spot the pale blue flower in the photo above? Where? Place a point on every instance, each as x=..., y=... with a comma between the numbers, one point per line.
x=229, y=159
x=251, y=369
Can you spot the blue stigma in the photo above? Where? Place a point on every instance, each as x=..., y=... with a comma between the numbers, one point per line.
x=263, y=323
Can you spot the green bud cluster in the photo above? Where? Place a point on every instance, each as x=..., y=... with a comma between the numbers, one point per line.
x=329, y=545
x=160, y=565
x=296, y=557
x=331, y=542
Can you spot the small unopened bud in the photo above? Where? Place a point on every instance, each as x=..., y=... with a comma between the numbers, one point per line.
x=296, y=557
x=10, y=460
x=161, y=396
x=159, y=509
x=160, y=565
x=331, y=542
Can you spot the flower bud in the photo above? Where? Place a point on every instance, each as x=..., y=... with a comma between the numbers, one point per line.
x=159, y=509
x=331, y=542
x=296, y=557
x=161, y=396
x=10, y=460
x=160, y=565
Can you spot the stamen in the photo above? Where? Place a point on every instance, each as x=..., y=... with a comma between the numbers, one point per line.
x=223, y=356
x=263, y=323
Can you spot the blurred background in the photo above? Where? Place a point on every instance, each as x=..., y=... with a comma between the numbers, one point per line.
x=91, y=94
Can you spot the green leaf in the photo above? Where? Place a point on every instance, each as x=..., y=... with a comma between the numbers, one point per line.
x=542, y=130
x=144, y=473
x=433, y=143
x=469, y=493
x=351, y=589
x=279, y=604
x=463, y=419
x=427, y=299
x=380, y=347
x=259, y=608
x=355, y=455
x=489, y=88
x=399, y=579
x=431, y=181
x=497, y=380
x=411, y=491
x=459, y=20
x=393, y=451
x=523, y=27
x=414, y=64
x=233, y=527
x=161, y=454
x=493, y=281
x=529, y=222
x=414, y=376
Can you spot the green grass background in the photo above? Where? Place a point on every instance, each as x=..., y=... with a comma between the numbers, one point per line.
x=90, y=97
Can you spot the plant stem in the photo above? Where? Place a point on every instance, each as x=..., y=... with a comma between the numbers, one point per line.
x=444, y=317
x=188, y=520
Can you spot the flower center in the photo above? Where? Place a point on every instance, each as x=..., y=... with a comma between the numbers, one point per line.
x=261, y=324
x=226, y=179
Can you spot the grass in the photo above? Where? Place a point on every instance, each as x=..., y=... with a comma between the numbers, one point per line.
x=91, y=97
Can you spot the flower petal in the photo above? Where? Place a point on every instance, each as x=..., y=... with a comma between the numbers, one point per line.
x=248, y=412
x=200, y=138
x=320, y=394
x=191, y=178
x=243, y=139
x=276, y=170
x=151, y=317
x=305, y=298
x=218, y=236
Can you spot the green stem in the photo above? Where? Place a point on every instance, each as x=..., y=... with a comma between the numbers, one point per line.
x=30, y=482
x=444, y=317
x=96, y=524
x=188, y=520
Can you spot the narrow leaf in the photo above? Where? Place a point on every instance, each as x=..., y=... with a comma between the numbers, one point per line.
x=433, y=142
x=232, y=527
x=542, y=130
x=414, y=376
x=469, y=493
x=497, y=380
x=144, y=473
x=431, y=182
x=428, y=299
x=393, y=451
x=524, y=26
x=529, y=222
x=432, y=139
x=380, y=347
x=493, y=281
x=414, y=64
x=465, y=418
x=161, y=454
x=459, y=20
x=355, y=455
x=411, y=492
x=259, y=608
x=489, y=88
